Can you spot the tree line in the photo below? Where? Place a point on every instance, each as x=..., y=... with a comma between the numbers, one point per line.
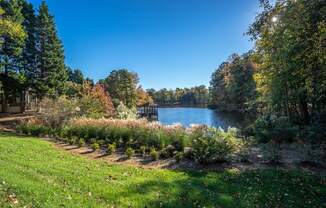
x=283, y=79
x=194, y=96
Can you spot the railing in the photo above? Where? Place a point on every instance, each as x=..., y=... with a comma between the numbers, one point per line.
x=149, y=112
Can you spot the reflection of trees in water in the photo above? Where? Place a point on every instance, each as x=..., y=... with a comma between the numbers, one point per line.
x=225, y=120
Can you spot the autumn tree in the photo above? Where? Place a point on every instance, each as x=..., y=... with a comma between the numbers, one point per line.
x=143, y=97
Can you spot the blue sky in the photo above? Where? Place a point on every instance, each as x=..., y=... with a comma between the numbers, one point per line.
x=169, y=43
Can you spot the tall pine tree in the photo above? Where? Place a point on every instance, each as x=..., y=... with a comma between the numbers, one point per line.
x=28, y=58
x=12, y=36
x=52, y=73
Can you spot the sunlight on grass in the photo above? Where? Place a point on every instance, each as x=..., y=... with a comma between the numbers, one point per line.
x=34, y=173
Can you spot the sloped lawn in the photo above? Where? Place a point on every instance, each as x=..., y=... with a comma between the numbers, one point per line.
x=34, y=173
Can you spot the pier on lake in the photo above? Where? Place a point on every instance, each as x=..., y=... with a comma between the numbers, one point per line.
x=149, y=111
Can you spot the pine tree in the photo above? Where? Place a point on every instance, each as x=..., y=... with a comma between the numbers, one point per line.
x=12, y=38
x=12, y=35
x=52, y=73
x=28, y=59
x=122, y=86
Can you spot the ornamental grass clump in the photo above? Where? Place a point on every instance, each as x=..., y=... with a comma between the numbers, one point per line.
x=133, y=133
x=214, y=145
x=206, y=145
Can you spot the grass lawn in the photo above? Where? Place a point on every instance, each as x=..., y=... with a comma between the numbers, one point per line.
x=34, y=173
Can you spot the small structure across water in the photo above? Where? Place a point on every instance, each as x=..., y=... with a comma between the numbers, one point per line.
x=149, y=111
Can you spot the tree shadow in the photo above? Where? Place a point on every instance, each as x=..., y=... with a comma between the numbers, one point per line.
x=87, y=152
x=227, y=189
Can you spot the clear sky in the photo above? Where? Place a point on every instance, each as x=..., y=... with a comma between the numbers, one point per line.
x=169, y=43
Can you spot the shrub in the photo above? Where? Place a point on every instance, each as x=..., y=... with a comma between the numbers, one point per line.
x=72, y=140
x=179, y=156
x=95, y=146
x=81, y=142
x=123, y=112
x=214, y=145
x=269, y=127
x=129, y=152
x=54, y=112
x=154, y=154
x=142, y=150
x=111, y=148
x=168, y=152
x=34, y=129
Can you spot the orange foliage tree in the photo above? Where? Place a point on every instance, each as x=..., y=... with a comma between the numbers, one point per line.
x=143, y=97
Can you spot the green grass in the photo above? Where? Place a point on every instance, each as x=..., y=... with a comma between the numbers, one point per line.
x=40, y=175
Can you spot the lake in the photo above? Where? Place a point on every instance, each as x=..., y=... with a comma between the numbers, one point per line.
x=187, y=116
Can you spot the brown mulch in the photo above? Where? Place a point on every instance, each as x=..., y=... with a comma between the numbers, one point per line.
x=146, y=162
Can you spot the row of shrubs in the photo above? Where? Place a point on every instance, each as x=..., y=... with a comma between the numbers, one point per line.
x=200, y=143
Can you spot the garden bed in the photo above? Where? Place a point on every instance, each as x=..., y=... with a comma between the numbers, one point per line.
x=36, y=174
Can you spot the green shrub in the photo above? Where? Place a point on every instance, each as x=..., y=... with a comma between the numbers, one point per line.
x=214, y=145
x=179, y=156
x=272, y=128
x=142, y=150
x=95, y=146
x=111, y=148
x=154, y=154
x=168, y=151
x=34, y=129
x=129, y=152
x=81, y=142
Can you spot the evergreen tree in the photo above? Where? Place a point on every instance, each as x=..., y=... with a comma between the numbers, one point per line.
x=52, y=73
x=75, y=76
x=29, y=51
x=12, y=36
x=122, y=86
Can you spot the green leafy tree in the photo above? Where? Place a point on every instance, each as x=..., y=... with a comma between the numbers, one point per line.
x=232, y=84
x=290, y=45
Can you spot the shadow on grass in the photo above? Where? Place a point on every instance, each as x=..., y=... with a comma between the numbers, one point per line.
x=102, y=155
x=267, y=188
x=87, y=152
x=72, y=148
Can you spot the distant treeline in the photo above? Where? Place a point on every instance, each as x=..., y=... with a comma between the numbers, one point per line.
x=195, y=96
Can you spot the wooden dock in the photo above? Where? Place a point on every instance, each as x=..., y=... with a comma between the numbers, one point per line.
x=149, y=111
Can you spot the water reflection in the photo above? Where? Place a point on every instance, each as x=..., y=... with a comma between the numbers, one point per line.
x=187, y=116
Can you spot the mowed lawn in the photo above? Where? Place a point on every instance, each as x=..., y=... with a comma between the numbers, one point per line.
x=34, y=173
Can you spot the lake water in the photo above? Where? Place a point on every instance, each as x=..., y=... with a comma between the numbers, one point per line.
x=187, y=116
